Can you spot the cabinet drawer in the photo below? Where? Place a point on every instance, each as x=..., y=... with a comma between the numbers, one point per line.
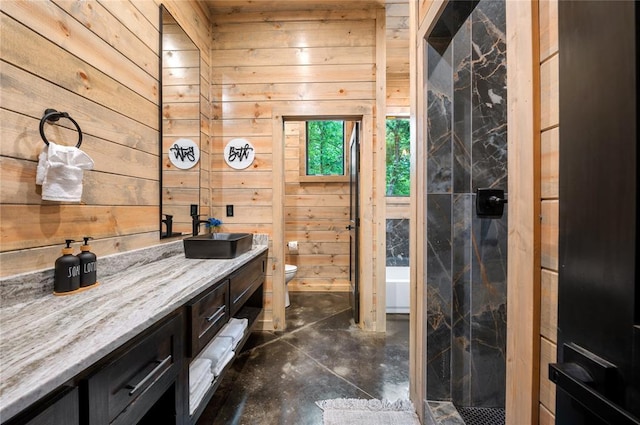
x=126, y=388
x=207, y=315
x=245, y=281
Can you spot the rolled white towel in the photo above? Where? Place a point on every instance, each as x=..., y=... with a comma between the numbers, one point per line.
x=217, y=369
x=217, y=349
x=197, y=369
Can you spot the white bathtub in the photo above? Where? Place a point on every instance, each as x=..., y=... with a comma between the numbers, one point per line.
x=397, y=290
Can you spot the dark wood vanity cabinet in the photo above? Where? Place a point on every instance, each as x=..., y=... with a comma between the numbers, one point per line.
x=129, y=384
x=240, y=295
x=245, y=281
x=146, y=381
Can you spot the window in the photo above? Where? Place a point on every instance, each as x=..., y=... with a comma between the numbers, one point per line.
x=398, y=157
x=325, y=148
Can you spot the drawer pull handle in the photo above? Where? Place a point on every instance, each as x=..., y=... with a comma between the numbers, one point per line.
x=217, y=314
x=248, y=288
x=142, y=383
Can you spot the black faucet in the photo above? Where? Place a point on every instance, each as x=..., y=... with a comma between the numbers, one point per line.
x=195, y=224
x=168, y=221
x=195, y=220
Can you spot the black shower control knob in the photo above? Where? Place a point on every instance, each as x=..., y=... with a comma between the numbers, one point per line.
x=494, y=200
x=490, y=202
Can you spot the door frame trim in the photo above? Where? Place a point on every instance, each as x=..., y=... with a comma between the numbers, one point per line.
x=364, y=113
x=523, y=263
x=354, y=247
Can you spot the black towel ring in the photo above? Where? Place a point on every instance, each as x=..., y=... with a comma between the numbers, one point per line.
x=51, y=115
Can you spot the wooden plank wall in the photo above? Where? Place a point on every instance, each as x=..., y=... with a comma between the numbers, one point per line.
x=549, y=164
x=397, y=45
x=98, y=61
x=398, y=207
x=398, y=77
x=316, y=215
x=268, y=59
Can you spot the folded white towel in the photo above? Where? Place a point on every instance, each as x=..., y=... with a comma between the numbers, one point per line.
x=217, y=349
x=235, y=329
x=217, y=369
x=196, y=396
x=197, y=369
x=243, y=322
x=60, y=170
x=203, y=380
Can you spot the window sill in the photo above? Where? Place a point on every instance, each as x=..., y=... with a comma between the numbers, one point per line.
x=324, y=179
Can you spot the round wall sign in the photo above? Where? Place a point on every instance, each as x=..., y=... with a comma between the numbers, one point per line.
x=239, y=154
x=184, y=153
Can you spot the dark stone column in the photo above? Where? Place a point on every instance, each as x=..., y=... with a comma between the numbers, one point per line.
x=466, y=257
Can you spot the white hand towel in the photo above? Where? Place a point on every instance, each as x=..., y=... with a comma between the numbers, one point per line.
x=43, y=165
x=203, y=380
x=198, y=368
x=202, y=388
x=60, y=170
x=195, y=384
x=235, y=328
x=217, y=369
x=217, y=349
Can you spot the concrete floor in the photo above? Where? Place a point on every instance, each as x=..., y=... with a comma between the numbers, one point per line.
x=322, y=355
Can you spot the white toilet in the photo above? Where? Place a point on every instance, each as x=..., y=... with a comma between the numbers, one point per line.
x=289, y=272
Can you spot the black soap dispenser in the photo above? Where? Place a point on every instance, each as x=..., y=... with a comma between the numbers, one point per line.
x=66, y=277
x=88, y=264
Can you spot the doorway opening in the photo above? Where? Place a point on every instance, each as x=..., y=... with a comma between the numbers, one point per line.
x=398, y=214
x=370, y=291
x=320, y=200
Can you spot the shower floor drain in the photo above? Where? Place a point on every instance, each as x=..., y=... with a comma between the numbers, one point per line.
x=481, y=415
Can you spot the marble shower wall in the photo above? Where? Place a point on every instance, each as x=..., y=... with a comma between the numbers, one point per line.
x=466, y=257
x=398, y=242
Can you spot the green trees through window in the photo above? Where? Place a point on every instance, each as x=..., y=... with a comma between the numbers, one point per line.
x=325, y=152
x=325, y=148
x=398, y=157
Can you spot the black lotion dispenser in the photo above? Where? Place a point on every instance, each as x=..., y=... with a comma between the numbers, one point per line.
x=88, y=264
x=66, y=276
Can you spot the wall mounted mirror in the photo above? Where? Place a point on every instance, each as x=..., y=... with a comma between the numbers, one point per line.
x=179, y=127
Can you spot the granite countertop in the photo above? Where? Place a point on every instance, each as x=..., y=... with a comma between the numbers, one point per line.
x=46, y=341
